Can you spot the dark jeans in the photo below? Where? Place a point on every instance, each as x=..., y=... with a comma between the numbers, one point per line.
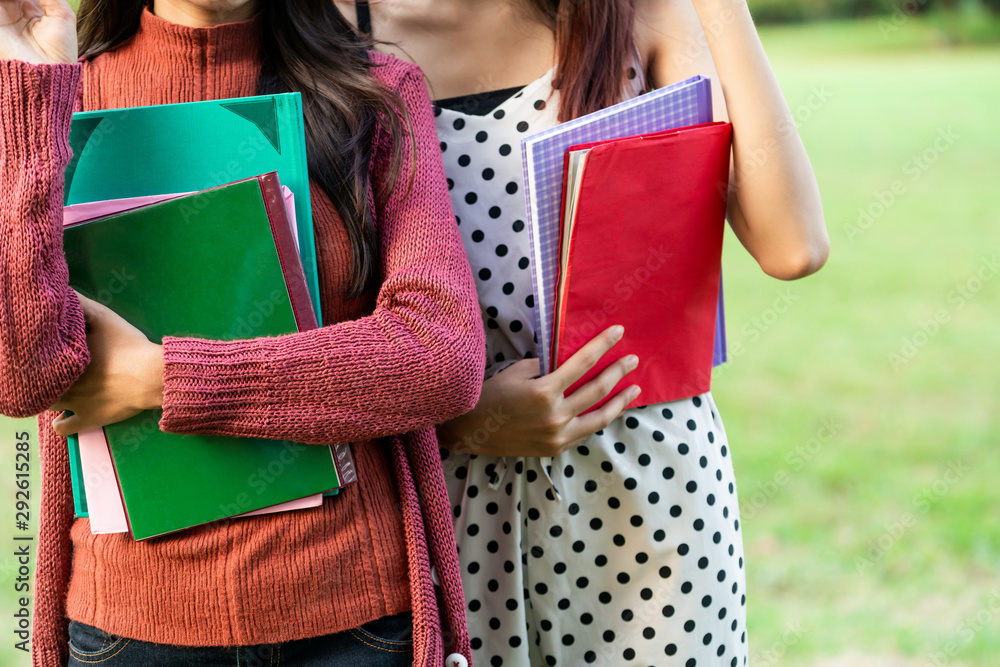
x=387, y=642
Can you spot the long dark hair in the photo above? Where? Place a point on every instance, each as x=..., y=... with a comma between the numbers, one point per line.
x=594, y=45
x=308, y=47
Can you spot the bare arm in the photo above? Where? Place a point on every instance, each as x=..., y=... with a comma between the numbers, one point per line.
x=774, y=205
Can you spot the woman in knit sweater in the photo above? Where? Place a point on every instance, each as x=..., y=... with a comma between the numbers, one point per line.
x=402, y=350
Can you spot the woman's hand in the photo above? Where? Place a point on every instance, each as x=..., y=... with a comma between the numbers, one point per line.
x=37, y=31
x=522, y=414
x=125, y=375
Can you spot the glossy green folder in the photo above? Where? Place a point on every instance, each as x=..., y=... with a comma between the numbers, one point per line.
x=204, y=265
x=170, y=148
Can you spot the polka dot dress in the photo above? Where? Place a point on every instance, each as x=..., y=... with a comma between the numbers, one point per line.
x=624, y=550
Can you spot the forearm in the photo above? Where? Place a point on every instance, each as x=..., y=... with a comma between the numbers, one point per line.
x=43, y=348
x=387, y=373
x=416, y=361
x=776, y=211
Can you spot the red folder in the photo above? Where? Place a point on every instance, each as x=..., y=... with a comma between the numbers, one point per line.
x=645, y=251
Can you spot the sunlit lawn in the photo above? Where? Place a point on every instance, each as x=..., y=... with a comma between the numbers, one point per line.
x=864, y=542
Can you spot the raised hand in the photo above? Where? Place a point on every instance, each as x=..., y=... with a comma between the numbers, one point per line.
x=522, y=414
x=37, y=31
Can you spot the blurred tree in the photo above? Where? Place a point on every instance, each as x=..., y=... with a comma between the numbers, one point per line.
x=787, y=11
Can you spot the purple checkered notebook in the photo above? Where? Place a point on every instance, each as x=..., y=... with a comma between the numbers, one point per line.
x=687, y=102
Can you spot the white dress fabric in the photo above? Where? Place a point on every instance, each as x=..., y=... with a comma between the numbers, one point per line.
x=624, y=550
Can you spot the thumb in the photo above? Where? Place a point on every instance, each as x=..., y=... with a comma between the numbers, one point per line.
x=93, y=311
x=89, y=306
x=67, y=425
x=57, y=9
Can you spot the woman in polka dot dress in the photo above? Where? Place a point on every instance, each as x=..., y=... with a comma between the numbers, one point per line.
x=613, y=537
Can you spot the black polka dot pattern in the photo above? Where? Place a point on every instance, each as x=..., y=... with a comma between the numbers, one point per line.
x=623, y=550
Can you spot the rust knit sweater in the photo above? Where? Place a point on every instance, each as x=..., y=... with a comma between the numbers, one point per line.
x=395, y=361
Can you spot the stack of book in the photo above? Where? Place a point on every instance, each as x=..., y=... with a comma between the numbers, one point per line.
x=194, y=220
x=626, y=212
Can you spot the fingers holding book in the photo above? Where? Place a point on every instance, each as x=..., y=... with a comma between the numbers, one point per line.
x=124, y=377
x=522, y=414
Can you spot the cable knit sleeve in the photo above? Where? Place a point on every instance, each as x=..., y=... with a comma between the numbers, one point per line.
x=417, y=360
x=43, y=346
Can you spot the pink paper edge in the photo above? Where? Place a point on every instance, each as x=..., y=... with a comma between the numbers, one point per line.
x=104, y=503
x=79, y=213
x=301, y=503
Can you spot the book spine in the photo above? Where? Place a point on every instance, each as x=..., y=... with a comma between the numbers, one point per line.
x=537, y=281
x=303, y=204
x=295, y=279
x=76, y=477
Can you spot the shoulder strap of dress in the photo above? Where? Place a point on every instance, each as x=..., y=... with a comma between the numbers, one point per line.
x=364, y=17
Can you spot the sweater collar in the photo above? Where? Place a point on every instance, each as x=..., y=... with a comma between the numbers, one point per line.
x=220, y=47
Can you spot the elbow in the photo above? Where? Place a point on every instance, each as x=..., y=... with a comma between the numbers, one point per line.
x=17, y=410
x=28, y=389
x=461, y=370
x=471, y=383
x=19, y=400
x=466, y=378
x=803, y=260
x=465, y=362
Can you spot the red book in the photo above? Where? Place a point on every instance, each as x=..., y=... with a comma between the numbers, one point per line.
x=641, y=246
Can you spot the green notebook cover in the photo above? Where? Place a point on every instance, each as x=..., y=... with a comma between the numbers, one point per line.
x=76, y=477
x=171, y=148
x=196, y=266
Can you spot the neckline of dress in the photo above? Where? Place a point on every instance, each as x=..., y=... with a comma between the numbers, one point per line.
x=510, y=100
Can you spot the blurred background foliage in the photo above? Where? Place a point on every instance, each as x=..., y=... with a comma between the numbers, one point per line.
x=789, y=11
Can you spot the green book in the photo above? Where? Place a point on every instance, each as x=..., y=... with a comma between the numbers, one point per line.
x=200, y=265
x=172, y=148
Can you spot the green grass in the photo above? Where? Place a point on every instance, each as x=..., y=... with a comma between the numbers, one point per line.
x=896, y=31
x=827, y=358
